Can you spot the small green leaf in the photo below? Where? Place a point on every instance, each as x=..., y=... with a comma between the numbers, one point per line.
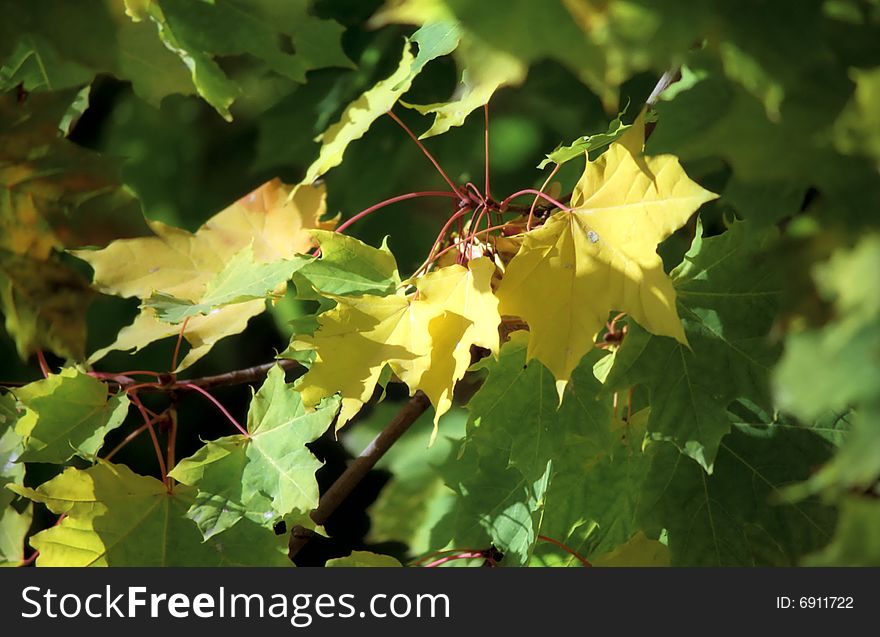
x=14, y=527
x=348, y=266
x=11, y=471
x=484, y=71
x=68, y=414
x=241, y=279
x=435, y=40
x=358, y=116
x=587, y=143
x=268, y=474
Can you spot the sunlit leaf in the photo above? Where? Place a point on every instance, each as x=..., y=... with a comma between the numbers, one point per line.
x=601, y=256
x=115, y=517
x=424, y=339
x=265, y=476
x=360, y=115
x=181, y=264
x=68, y=413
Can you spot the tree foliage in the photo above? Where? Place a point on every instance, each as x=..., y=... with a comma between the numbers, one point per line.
x=660, y=347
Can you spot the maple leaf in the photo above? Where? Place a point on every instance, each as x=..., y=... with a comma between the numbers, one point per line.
x=67, y=413
x=484, y=68
x=266, y=475
x=348, y=266
x=601, y=256
x=115, y=517
x=727, y=296
x=360, y=115
x=181, y=264
x=425, y=338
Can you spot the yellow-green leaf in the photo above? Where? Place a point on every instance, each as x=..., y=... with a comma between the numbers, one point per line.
x=115, y=517
x=360, y=115
x=68, y=413
x=265, y=476
x=484, y=71
x=601, y=256
x=424, y=338
x=178, y=263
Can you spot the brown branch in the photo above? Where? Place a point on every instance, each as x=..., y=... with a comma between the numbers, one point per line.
x=360, y=467
x=236, y=377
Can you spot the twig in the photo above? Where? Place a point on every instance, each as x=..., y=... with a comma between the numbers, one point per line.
x=236, y=377
x=355, y=472
x=670, y=77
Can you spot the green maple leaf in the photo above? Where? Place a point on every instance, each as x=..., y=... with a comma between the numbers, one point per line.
x=115, y=517
x=712, y=520
x=521, y=444
x=726, y=296
x=347, y=267
x=267, y=475
x=68, y=413
x=284, y=38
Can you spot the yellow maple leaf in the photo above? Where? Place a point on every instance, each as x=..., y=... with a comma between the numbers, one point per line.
x=180, y=263
x=425, y=338
x=602, y=256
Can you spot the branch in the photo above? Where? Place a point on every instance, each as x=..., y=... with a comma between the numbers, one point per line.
x=345, y=484
x=237, y=377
